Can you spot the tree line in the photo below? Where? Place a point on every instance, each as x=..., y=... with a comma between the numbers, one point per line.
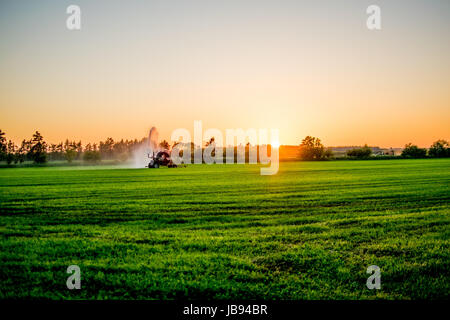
x=39, y=151
x=312, y=148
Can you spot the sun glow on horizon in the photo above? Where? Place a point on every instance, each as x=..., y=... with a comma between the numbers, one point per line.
x=275, y=144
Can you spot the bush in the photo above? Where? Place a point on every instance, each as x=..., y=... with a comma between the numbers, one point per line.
x=413, y=151
x=439, y=149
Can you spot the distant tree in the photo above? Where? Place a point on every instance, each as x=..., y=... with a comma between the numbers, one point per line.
x=439, y=149
x=56, y=151
x=120, y=150
x=91, y=156
x=312, y=148
x=413, y=151
x=106, y=148
x=70, y=150
x=164, y=145
x=53, y=152
x=88, y=147
x=360, y=153
x=23, y=152
x=3, y=145
x=60, y=151
x=11, y=152
x=38, y=150
x=79, y=149
x=69, y=145
x=70, y=155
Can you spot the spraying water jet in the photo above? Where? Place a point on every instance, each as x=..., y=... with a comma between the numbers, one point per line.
x=157, y=155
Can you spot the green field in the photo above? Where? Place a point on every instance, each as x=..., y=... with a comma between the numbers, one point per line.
x=225, y=231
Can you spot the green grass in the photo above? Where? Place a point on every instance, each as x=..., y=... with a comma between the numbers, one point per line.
x=225, y=231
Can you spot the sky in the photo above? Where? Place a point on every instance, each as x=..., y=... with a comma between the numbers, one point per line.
x=302, y=67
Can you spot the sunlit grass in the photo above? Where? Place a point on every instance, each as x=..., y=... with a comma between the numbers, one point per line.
x=225, y=231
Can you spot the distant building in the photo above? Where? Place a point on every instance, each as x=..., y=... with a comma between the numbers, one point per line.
x=376, y=151
x=292, y=152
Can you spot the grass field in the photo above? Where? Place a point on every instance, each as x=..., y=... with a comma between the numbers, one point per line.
x=224, y=231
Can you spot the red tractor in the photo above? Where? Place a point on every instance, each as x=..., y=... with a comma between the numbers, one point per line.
x=161, y=158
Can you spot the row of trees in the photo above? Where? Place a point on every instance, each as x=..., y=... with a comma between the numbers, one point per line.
x=439, y=149
x=312, y=148
x=38, y=151
x=34, y=149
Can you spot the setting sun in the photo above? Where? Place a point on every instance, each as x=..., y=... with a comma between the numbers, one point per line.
x=275, y=144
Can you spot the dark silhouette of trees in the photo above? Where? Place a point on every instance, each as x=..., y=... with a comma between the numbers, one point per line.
x=106, y=148
x=439, y=149
x=119, y=150
x=164, y=145
x=79, y=149
x=38, y=150
x=312, y=148
x=70, y=155
x=91, y=153
x=70, y=150
x=52, y=151
x=23, y=152
x=56, y=151
x=11, y=152
x=3, y=145
x=413, y=151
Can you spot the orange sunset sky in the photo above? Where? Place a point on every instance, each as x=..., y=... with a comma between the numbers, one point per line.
x=303, y=67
